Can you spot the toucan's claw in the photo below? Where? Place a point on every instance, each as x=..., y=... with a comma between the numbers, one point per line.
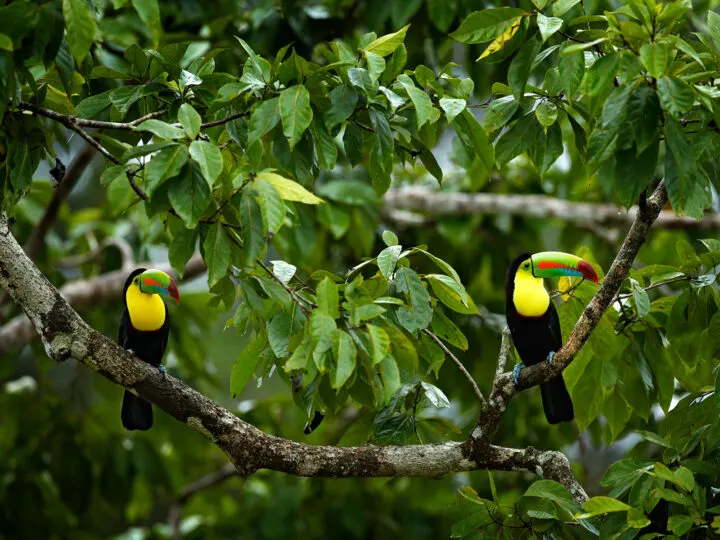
x=163, y=371
x=516, y=373
x=550, y=357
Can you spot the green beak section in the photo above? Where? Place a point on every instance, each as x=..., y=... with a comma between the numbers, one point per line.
x=158, y=282
x=554, y=264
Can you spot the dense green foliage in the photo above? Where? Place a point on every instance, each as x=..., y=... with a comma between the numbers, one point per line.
x=269, y=133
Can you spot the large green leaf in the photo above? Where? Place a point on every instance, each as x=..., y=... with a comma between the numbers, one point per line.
x=208, y=158
x=246, y=364
x=189, y=195
x=166, y=164
x=295, y=112
x=217, y=253
x=486, y=25
x=80, y=24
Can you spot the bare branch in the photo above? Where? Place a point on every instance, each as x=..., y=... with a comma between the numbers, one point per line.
x=67, y=119
x=84, y=294
x=65, y=335
x=208, y=481
x=505, y=346
x=458, y=363
x=125, y=249
x=433, y=203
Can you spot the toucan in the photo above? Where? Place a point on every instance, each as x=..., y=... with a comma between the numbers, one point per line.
x=534, y=323
x=144, y=331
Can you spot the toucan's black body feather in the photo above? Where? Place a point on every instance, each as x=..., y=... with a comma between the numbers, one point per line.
x=148, y=346
x=534, y=338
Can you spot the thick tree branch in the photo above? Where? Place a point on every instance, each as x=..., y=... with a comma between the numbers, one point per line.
x=433, y=203
x=504, y=388
x=84, y=294
x=65, y=335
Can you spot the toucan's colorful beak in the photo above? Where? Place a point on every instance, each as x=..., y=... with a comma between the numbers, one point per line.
x=553, y=264
x=157, y=282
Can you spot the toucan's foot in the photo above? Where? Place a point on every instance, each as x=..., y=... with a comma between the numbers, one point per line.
x=550, y=357
x=163, y=371
x=516, y=372
x=130, y=351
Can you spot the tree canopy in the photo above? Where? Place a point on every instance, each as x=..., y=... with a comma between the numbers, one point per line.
x=339, y=186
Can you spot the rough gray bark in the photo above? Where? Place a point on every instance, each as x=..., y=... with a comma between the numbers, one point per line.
x=424, y=201
x=65, y=335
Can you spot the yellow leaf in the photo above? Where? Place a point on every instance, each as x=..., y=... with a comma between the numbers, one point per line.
x=499, y=42
x=290, y=190
x=564, y=285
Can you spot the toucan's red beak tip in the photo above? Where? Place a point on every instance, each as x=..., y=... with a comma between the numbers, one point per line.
x=588, y=271
x=174, y=292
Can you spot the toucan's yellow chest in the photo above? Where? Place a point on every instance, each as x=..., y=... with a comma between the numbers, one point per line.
x=147, y=311
x=530, y=297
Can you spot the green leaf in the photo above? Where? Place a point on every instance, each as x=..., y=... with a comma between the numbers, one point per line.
x=298, y=359
x=288, y=189
x=390, y=376
x=687, y=183
x=278, y=332
x=548, y=25
x=365, y=313
x=295, y=112
x=379, y=343
x=486, y=25
x=161, y=129
x=634, y=172
x=642, y=300
x=572, y=70
x=254, y=58
x=681, y=524
x=601, y=74
x=575, y=47
x=442, y=13
x=387, y=259
x=617, y=412
x=560, y=7
x=271, y=205
x=182, y=248
x=419, y=315
x=499, y=113
x=637, y=519
x=676, y=96
x=713, y=22
x=516, y=140
x=149, y=12
x=474, y=139
x=655, y=58
x=246, y=364
x=345, y=353
x=343, y=100
x=602, y=505
x=546, y=113
x=328, y=297
x=421, y=101
x=252, y=229
x=80, y=26
x=325, y=146
x=390, y=238
x=644, y=113
x=217, y=253
x=385, y=45
x=189, y=195
x=447, y=330
x=521, y=66
x=436, y=396
x=263, y=119
x=431, y=164
x=190, y=120
x=603, y=139
x=452, y=107
x=209, y=159
x=164, y=165
x=384, y=142
x=283, y=271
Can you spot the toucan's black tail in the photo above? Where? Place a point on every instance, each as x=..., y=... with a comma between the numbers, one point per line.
x=556, y=401
x=136, y=412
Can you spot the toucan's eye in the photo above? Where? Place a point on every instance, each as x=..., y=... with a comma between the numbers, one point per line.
x=526, y=265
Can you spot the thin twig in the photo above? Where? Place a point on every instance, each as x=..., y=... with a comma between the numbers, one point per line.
x=653, y=286
x=208, y=481
x=298, y=300
x=458, y=363
x=126, y=253
x=68, y=119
